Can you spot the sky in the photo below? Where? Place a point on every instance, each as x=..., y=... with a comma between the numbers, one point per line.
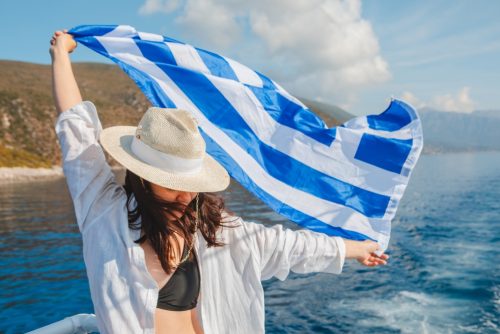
x=355, y=54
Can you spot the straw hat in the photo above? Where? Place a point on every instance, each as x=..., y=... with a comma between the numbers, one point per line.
x=167, y=149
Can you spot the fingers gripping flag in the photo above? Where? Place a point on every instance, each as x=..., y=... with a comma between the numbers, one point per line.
x=345, y=181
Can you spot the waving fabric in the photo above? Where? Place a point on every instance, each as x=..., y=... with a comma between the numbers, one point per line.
x=345, y=181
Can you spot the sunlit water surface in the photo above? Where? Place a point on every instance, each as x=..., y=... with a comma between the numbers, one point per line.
x=443, y=275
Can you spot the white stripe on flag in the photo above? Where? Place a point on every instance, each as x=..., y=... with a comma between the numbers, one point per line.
x=244, y=74
x=146, y=36
x=122, y=31
x=186, y=56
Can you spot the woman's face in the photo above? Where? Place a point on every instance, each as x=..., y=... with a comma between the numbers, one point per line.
x=172, y=195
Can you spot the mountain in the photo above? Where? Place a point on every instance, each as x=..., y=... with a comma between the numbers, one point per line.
x=488, y=113
x=339, y=114
x=27, y=112
x=454, y=131
x=28, y=115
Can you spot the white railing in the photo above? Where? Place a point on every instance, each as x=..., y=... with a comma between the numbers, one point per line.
x=77, y=324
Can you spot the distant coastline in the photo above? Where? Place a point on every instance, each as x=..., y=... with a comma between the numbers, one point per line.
x=435, y=150
x=26, y=174
x=23, y=174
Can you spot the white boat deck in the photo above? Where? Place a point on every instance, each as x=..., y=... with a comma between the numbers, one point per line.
x=78, y=324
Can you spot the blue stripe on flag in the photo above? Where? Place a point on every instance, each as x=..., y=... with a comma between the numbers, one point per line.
x=148, y=85
x=291, y=114
x=222, y=114
x=90, y=30
x=288, y=113
x=293, y=214
x=155, y=51
x=217, y=65
x=387, y=153
x=267, y=83
x=393, y=118
x=94, y=44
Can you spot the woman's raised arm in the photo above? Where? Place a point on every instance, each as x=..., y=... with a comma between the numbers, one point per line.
x=64, y=87
x=91, y=183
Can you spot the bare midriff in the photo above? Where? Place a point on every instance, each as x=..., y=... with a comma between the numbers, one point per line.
x=167, y=321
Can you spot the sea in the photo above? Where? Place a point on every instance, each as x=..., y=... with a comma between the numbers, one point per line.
x=443, y=275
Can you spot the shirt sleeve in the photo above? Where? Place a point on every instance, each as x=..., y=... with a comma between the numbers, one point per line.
x=282, y=250
x=91, y=182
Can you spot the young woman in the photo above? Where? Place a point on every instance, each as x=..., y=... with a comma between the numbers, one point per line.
x=162, y=254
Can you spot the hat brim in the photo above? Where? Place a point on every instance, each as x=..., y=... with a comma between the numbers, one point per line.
x=117, y=141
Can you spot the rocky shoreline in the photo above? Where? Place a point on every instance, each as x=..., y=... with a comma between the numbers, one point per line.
x=25, y=174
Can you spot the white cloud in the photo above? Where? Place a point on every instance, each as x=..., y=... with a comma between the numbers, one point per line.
x=460, y=102
x=315, y=48
x=158, y=6
x=210, y=22
x=413, y=100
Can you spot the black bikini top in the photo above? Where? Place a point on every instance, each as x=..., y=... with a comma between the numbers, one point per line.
x=182, y=289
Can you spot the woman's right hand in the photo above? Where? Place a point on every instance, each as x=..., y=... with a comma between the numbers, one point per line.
x=365, y=252
x=62, y=41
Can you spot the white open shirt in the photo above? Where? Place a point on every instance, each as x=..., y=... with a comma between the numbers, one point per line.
x=123, y=292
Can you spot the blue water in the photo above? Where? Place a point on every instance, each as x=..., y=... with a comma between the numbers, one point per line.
x=443, y=275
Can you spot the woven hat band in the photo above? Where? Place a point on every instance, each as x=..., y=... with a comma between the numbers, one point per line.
x=165, y=161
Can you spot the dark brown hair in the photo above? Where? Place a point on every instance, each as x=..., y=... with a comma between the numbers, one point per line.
x=157, y=229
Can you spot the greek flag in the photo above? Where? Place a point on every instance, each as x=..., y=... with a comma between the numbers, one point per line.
x=345, y=181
